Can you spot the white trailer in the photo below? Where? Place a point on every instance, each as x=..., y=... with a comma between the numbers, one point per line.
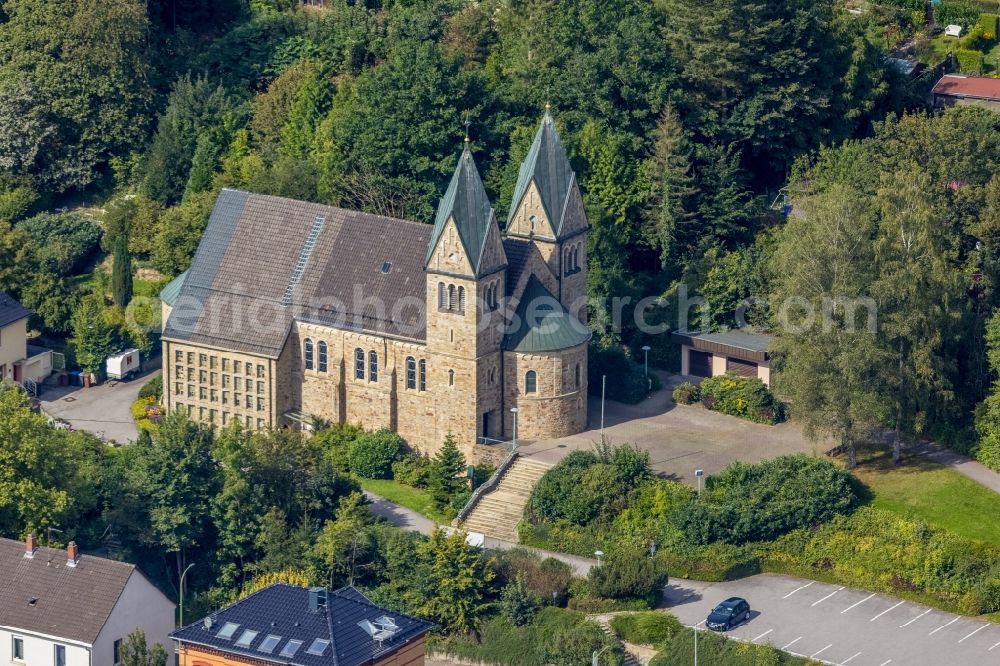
x=124, y=365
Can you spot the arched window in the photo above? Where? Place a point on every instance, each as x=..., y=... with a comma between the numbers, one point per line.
x=577, y=375
x=530, y=382
x=411, y=373
x=442, y=296
x=372, y=367
x=359, y=363
x=451, y=378
x=309, y=354
x=423, y=375
x=568, y=262
x=461, y=300
x=576, y=258
x=451, y=297
x=322, y=357
x=493, y=376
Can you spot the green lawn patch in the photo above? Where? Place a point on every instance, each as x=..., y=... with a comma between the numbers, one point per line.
x=414, y=499
x=941, y=496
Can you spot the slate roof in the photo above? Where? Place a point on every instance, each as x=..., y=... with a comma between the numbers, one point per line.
x=266, y=261
x=518, y=251
x=547, y=165
x=466, y=201
x=169, y=293
x=71, y=603
x=283, y=610
x=11, y=310
x=544, y=325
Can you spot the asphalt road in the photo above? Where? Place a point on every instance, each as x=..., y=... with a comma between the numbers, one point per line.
x=837, y=625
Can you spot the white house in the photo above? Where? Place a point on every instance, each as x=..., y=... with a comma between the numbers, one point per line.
x=60, y=608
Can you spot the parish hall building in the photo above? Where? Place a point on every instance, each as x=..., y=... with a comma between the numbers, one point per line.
x=293, y=310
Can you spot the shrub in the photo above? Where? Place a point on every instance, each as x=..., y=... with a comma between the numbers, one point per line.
x=413, y=469
x=650, y=628
x=372, y=454
x=715, y=562
x=958, y=12
x=969, y=61
x=153, y=388
x=548, y=579
x=686, y=394
x=336, y=443
x=446, y=479
x=65, y=241
x=746, y=397
x=988, y=25
x=517, y=604
x=628, y=572
x=626, y=381
x=762, y=501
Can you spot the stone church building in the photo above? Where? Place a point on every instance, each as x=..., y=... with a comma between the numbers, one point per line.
x=294, y=310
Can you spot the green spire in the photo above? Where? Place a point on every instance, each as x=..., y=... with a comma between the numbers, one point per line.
x=547, y=165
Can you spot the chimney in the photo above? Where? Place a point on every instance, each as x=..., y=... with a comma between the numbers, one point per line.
x=30, y=546
x=72, y=555
x=317, y=599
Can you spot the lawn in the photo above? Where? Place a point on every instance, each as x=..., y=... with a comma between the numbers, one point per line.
x=412, y=498
x=942, y=497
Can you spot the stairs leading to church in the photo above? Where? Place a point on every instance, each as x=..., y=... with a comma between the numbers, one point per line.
x=498, y=512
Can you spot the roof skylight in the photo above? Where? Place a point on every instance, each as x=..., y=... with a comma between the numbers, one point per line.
x=291, y=647
x=318, y=646
x=269, y=643
x=247, y=638
x=227, y=631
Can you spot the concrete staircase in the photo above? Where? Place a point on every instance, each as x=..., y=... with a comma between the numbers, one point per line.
x=497, y=513
x=629, y=658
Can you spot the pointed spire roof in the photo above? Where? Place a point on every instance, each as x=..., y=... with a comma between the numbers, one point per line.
x=547, y=165
x=466, y=201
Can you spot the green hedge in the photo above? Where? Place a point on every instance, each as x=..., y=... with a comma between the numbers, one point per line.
x=650, y=628
x=745, y=397
x=152, y=389
x=717, y=649
x=969, y=61
x=715, y=562
x=371, y=455
x=959, y=12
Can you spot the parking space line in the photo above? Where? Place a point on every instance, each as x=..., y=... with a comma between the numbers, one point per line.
x=915, y=619
x=857, y=604
x=823, y=650
x=974, y=632
x=849, y=658
x=699, y=624
x=797, y=589
x=816, y=603
x=886, y=611
x=792, y=643
x=887, y=661
x=993, y=647
x=943, y=626
x=762, y=635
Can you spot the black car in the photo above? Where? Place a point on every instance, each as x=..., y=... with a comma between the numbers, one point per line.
x=728, y=614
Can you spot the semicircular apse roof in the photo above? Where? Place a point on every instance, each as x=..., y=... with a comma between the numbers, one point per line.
x=543, y=324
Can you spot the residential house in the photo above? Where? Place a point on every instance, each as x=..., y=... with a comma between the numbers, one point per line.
x=62, y=608
x=20, y=362
x=295, y=626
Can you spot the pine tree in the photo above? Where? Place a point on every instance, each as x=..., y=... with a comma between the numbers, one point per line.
x=446, y=472
x=121, y=275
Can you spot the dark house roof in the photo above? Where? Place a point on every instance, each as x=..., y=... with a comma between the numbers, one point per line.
x=738, y=344
x=544, y=325
x=11, y=310
x=70, y=602
x=281, y=616
x=466, y=201
x=548, y=166
x=975, y=87
x=266, y=261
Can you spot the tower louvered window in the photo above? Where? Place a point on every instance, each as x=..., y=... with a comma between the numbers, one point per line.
x=461, y=300
x=442, y=297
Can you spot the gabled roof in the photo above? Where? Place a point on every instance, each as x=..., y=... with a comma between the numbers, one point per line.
x=544, y=325
x=466, y=202
x=547, y=165
x=70, y=602
x=11, y=310
x=267, y=261
x=173, y=289
x=283, y=611
x=977, y=87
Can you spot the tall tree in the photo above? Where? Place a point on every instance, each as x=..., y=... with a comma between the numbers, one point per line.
x=136, y=652
x=459, y=582
x=446, y=474
x=828, y=357
x=93, y=338
x=121, y=272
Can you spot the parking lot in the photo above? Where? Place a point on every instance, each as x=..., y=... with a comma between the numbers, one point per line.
x=836, y=625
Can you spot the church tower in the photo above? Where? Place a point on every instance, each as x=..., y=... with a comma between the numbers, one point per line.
x=465, y=269
x=547, y=209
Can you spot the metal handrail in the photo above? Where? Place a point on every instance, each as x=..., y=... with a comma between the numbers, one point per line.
x=488, y=486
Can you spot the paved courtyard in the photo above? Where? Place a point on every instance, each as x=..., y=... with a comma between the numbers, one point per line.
x=100, y=409
x=679, y=438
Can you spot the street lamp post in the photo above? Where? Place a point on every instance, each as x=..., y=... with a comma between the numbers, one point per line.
x=599, y=554
x=597, y=653
x=604, y=379
x=645, y=354
x=183, y=575
x=698, y=473
x=513, y=410
x=695, y=645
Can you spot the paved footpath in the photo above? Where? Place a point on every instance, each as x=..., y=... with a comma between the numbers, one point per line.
x=831, y=624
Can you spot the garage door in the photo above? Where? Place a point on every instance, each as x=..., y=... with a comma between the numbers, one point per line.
x=745, y=368
x=700, y=363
